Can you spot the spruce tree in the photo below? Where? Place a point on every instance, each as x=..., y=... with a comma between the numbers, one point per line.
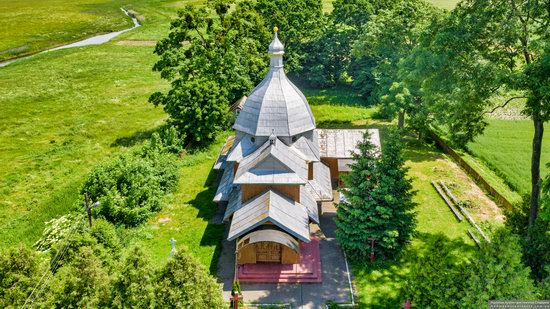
x=185, y=283
x=133, y=286
x=394, y=195
x=378, y=202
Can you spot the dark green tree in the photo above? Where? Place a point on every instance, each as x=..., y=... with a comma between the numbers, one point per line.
x=211, y=57
x=440, y=278
x=388, y=38
x=84, y=283
x=435, y=279
x=19, y=273
x=133, y=286
x=481, y=52
x=185, y=283
x=299, y=21
x=353, y=216
x=378, y=201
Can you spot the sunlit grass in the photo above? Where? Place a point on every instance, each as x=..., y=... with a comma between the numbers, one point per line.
x=29, y=26
x=505, y=146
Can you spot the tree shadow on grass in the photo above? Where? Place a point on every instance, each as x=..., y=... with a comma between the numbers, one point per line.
x=385, y=280
x=213, y=234
x=134, y=139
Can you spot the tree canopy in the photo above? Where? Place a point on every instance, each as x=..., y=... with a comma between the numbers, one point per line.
x=378, y=201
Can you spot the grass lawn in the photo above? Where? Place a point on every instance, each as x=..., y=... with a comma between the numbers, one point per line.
x=28, y=26
x=379, y=286
x=64, y=111
x=505, y=147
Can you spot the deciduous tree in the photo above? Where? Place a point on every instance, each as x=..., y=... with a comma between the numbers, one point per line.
x=481, y=52
x=211, y=57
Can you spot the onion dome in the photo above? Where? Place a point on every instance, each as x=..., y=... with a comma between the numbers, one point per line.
x=276, y=106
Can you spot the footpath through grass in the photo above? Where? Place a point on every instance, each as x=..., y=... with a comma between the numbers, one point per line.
x=28, y=26
x=66, y=110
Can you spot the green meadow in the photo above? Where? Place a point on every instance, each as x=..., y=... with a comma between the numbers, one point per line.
x=505, y=147
x=65, y=111
x=30, y=26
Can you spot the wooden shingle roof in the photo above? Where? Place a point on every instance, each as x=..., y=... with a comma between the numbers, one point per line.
x=273, y=207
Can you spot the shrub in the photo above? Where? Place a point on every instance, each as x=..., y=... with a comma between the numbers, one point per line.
x=495, y=271
x=167, y=140
x=131, y=187
x=434, y=278
x=133, y=285
x=83, y=283
x=18, y=275
x=185, y=283
x=59, y=229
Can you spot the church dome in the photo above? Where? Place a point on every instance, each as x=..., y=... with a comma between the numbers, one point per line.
x=276, y=105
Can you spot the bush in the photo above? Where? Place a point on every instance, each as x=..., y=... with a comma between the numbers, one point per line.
x=59, y=229
x=495, y=271
x=133, y=285
x=131, y=187
x=434, y=278
x=19, y=269
x=83, y=283
x=185, y=283
x=167, y=140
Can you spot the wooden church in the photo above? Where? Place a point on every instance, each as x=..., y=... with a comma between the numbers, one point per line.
x=278, y=169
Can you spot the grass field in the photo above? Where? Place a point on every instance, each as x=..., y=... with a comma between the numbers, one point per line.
x=64, y=111
x=29, y=26
x=506, y=148
x=379, y=286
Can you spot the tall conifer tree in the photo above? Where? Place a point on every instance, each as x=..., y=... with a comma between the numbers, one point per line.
x=378, y=202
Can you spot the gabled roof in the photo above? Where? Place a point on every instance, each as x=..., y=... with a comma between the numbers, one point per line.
x=226, y=184
x=234, y=203
x=271, y=207
x=272, y=163
x=276, y=105
x=320, y=187
x=238, y=104
x=241, y=149
x=342, y=143
x=223, y=152
x=307, y=149
x=310, y=204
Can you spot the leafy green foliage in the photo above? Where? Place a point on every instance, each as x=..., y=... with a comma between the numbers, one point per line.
x=299, y=21
x=211, y=57
x=82, y=283
x=378, y=202
x=199, y=108
x=133, y=286
x=18, y=275
x=495, y=271
x=130, y=187
x=434, y=281
x=535, y=242
x=185, y=283
x=387, y=39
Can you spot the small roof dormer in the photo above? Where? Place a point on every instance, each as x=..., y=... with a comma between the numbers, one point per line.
x=276, y=105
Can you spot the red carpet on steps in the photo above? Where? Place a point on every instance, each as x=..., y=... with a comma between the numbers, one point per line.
x=307, y=271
